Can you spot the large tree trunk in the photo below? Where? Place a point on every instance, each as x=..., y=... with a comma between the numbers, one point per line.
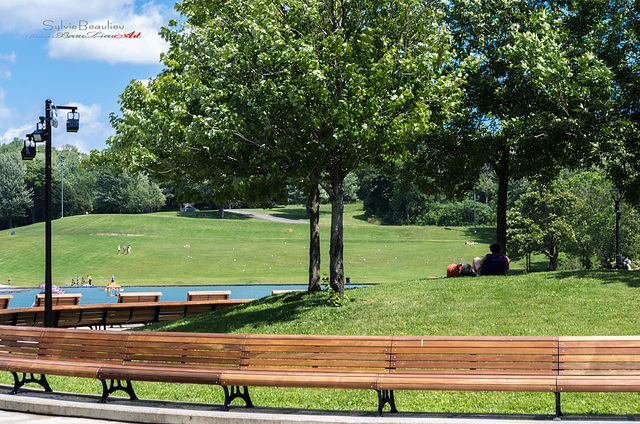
x=336, y=262
x=314, y=238
x=501, y=230
x=502, y=172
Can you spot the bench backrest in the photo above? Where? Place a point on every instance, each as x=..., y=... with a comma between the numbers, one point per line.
x=606, y=356
x=20, y=341
x=59, y=299
x=222, y=351
x=78, y=345
x=139, y=297
x=4, y=301
x=208, y=295
x=340, y=354
x=477, y=355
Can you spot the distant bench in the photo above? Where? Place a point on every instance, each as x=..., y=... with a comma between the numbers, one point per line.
x=59, y=299
x=4, y=301
x=208, y=295
x=381, y=363
x=139, y=297
x=285, y=291
x=103, y=315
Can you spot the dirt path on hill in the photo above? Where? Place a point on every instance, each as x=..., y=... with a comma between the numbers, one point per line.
x=266, y=216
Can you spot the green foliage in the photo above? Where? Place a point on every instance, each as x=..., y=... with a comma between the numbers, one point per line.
x=594, y=222
x=533, y=104
x=543, y=214
x=257, y=95
x=334, y=299
x=15, y=195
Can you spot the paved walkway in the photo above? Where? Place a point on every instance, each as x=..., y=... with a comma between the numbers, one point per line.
x=34, y=406
x=266, y=216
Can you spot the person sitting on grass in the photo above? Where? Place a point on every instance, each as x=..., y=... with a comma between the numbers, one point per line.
x=460, y=270
x=494, y=263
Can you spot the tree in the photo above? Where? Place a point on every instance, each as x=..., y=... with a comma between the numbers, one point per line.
x=611, y=29
x=126, y=193
x=594, y=222
x=15, y=197
x=545, y=215
x=256, y=94
x=533, y=105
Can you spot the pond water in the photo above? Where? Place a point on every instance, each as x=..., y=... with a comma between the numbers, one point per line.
x=98, y=295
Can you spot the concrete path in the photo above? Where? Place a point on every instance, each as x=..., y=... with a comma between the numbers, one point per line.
x=266, y=216
x=34, y=406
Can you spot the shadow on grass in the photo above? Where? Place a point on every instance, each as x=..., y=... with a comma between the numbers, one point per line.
x=213, y=215
x=607, y=276
x=482, y=235
x=282, y=308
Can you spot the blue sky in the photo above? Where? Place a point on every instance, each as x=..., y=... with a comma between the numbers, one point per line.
x=87, y=66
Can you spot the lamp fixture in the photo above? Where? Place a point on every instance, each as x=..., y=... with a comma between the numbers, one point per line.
x=73, y=121
x=40, y=134
x=29, y=149
x=615, y=194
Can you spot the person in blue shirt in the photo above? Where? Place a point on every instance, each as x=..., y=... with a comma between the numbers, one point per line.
x=494, y=263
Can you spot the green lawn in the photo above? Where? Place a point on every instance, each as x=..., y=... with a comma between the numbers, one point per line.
x=240, y=250
x=233, y=250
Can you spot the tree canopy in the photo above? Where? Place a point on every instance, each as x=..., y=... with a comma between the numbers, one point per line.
x=537, y=101
x=257, y=93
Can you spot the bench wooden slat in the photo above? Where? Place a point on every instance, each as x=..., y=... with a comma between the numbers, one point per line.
x=511, y=383
x=299, y=379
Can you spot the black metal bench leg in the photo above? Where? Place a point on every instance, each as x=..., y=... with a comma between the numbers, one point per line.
x=114, y=387
x=384, y=397
x=233, y=392
x=558, y=409
x=19, y=382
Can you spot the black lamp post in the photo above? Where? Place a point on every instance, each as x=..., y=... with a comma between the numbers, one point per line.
x=615, y=194
x=43, y=134
x=61, y=185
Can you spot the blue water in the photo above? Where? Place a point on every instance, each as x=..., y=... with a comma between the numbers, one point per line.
x=98, y=295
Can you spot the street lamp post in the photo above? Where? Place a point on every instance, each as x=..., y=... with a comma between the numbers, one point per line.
x=43, y=134
x=61, y=185
x=615, y=194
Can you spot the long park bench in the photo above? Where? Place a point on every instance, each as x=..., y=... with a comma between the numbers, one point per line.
x=109, y=314
x=382, y=363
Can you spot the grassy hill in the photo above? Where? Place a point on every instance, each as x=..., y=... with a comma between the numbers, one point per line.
x=240, y=250
x=233, y=250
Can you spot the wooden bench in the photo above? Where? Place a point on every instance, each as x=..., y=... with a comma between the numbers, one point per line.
x=208, y=295
x=284, y=291
x=110, y=314
x=59, y=299
x=381, y=363
x=139, y=297
x=4, y=301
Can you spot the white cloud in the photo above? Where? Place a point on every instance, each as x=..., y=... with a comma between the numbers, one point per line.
x=9, y=57
x=96, y=18
x=92, y=133
x=18, y=132
x=26, y=16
